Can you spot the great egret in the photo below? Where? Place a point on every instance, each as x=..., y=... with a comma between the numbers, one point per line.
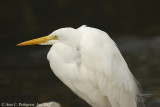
x=88, y=61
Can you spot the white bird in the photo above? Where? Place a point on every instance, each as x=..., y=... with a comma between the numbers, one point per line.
x=88, y=61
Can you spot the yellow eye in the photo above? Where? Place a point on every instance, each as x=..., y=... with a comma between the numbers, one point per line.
x=54, y=37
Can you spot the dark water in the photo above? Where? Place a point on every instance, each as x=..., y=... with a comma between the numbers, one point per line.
x=26, y=77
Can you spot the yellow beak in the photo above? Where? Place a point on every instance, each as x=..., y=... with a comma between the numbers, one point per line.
x=38, y=40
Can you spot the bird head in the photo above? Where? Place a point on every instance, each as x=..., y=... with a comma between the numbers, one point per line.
x=66, y=35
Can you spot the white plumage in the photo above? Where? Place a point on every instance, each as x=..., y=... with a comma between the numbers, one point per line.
x=88, y=61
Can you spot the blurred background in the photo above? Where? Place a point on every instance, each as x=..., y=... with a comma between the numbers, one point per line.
x=25, y=74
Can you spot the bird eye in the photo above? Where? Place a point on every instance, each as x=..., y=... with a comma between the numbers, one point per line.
x=53, y=36
x=56, y=36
